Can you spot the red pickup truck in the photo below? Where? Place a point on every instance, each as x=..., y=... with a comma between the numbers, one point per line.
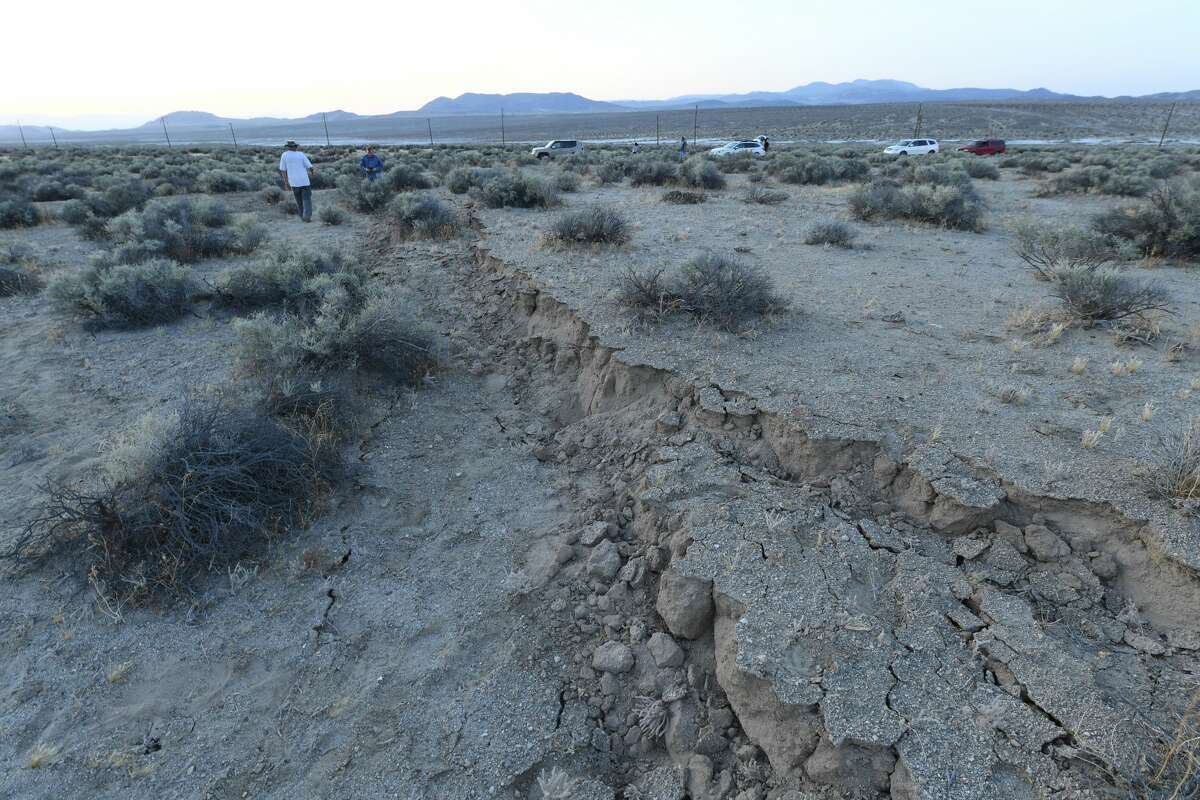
x=984, y=147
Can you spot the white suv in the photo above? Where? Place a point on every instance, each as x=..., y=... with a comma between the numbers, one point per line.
x=739, y=148
x=912, y=147
x=558, y=147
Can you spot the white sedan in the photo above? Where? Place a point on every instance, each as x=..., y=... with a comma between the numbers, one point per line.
x=738, y=148
x=912, y=147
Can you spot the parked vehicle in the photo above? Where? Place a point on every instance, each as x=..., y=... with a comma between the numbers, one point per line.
x=558, y=147
x=912, y=147
x=739, y=148
x=985, y=147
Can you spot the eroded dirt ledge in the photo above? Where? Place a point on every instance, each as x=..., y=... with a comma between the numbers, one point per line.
x=882, y=622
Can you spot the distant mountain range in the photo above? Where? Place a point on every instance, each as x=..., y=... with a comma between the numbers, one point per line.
x=856, y=92
x=520, y=103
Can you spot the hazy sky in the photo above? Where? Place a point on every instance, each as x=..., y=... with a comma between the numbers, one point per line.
x=100, y=63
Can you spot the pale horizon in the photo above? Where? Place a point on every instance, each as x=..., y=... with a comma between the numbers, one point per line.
x=125, y=63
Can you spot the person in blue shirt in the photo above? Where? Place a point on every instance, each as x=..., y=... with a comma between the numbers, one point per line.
x=371, y=164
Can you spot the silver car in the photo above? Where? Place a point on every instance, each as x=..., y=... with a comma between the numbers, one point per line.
x=558, y=147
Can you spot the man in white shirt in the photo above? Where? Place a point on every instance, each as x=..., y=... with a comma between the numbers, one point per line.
x=297, y=173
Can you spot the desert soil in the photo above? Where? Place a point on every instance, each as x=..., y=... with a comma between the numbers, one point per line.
x=815, y=560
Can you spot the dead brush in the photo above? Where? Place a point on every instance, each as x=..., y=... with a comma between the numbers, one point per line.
x=1167, y=761
x=1176, y=474
x=679, y=197
x=1048, y=250
x=1106, y=295
x=212, y=486
x=1137, y=330
x=647, y=293
x=1045, y=325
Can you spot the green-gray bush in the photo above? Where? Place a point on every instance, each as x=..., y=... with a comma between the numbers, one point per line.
x=331, y=215
x=421, y=215
x=1167, y=224
x=720, y=291
x=184, y=229
x=650, y=171
x=290, y=276
x=700, y=173
x=831, y=232
x=18, y=212
x=1105, y=294
x=594, y=225
x=952, y=206
x=981, y=169
x=126, y=295
x=340, y=336
x=515, y=189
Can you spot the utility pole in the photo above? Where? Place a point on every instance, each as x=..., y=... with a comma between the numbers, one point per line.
x=325, y=122
x=233, y=133
x=21, y=130
x=502, y=142
x=1163, y=138
x=920, y=110
x=53, y=138
x=695, y=123
x=430, y=124
x=163, y=120
x=657, y=129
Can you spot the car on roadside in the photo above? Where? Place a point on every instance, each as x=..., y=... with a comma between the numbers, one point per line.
x=750, y=148
x=558, y=147
x=985, y=147
x=912, y=147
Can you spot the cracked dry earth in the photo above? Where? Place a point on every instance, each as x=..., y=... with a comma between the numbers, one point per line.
x=554, y=560
x=788, y=608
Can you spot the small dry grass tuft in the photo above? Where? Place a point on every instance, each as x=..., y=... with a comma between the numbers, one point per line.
x=1012, y=395
x=42, y=755
x=120, y=672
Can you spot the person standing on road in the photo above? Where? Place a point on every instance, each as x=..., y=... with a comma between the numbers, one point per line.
x=682, y=148
x=371, y=164
x=297, y=173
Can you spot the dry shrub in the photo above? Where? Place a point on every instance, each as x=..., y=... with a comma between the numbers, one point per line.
x=831, y=232
x=18, y=279
x=1048, y=249
x=422, y=216
x=597, y=225
x=718, y=290
x=764, y=196
x=1096, y=295
x=651, y=171
x=681, y=198
x=204, y=488
x=1168, y=224
x=1176, y=471
x=341, y=335
x=700, y=173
